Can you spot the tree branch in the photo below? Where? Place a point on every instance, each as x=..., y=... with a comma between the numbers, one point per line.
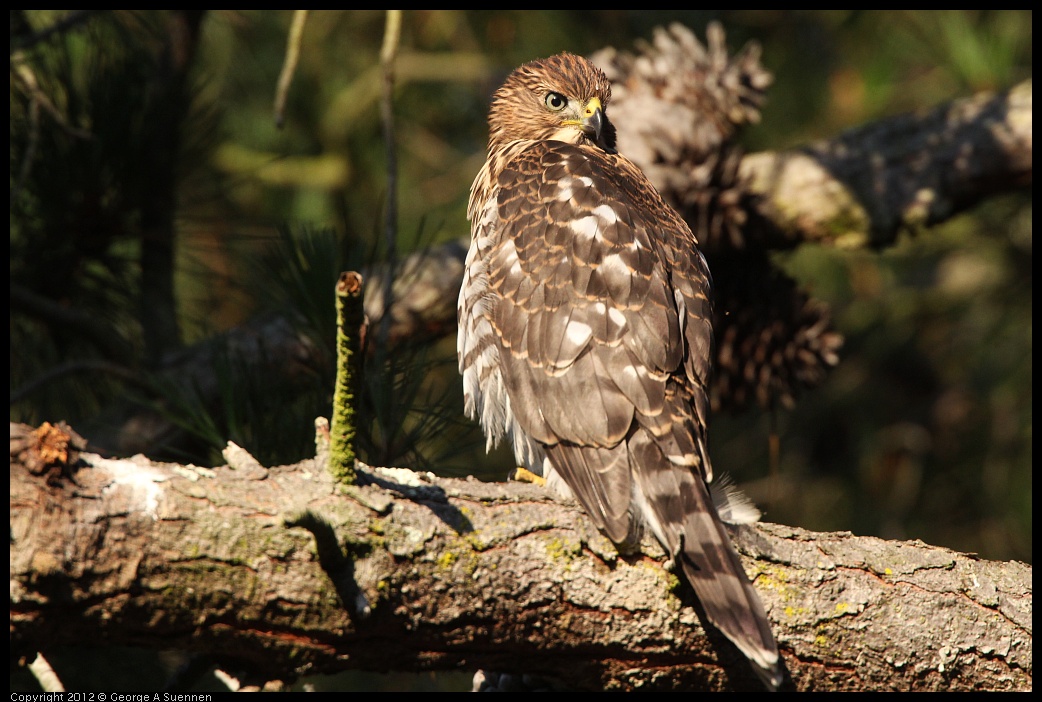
x=275, y=570
x=868, y=184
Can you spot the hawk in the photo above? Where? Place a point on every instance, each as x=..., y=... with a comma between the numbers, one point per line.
x=585, y=334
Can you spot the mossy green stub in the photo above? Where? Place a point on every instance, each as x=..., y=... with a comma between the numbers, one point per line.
x=349, y=330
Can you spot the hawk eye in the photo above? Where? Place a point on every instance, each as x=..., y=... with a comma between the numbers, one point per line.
x=555, y=101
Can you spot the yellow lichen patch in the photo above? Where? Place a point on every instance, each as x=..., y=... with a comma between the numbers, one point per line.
x=458, y=553
x=447, y=559
x=672, y=583
x=773, y=578
x=561, y=549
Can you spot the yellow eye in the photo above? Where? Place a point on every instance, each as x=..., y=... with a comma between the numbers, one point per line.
x=556, y=101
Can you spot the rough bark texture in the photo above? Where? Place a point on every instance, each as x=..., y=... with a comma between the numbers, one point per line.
x=867, y=185
x=275, y=570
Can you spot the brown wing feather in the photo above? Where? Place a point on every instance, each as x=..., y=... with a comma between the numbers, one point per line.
x=585, y=311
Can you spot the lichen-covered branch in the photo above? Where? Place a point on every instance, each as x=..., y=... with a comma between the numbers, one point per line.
x=279, y=571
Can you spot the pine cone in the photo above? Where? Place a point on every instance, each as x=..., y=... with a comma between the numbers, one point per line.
x=677, y=106
x=772, y=340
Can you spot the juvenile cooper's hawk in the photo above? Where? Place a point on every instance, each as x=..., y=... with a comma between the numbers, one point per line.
x=585, y=334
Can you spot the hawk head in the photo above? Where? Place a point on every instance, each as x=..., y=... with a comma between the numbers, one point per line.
x=561, y=98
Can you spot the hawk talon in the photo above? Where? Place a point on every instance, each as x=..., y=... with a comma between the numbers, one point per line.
x=523, y=475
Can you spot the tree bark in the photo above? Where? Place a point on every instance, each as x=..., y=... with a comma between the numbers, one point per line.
x=276, y=570
x=865, y=186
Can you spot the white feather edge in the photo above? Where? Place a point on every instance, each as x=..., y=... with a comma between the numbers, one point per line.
x=733, y=505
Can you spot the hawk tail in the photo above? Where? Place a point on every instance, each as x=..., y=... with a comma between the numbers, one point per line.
x=714, y=570
x=680, y=511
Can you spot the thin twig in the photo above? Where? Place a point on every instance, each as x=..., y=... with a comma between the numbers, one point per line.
x=22, y=75
x=32, y=141
x=69, y=21
x=289, y=66
x=388, y=53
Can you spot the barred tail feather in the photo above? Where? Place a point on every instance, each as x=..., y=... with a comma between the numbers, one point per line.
x=701, y=546
x=731, y=603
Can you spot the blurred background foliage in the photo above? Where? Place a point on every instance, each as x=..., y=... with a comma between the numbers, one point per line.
x=922, y=431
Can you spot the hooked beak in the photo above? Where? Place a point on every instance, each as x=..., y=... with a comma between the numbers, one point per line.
x=595, y=124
